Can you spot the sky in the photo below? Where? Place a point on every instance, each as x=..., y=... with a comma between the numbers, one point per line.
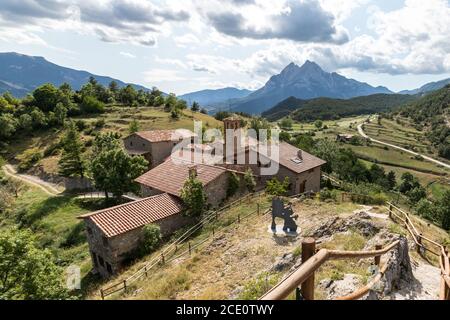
x=182, y=46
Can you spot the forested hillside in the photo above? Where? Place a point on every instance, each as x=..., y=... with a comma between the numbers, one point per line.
x=432, y=113
x=332, y=109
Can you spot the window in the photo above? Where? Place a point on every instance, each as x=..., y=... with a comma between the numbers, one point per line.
x=94, y=258
x=101, y=261
x=109, y=268
x=105, y=241
x=131, y=143
x=89, y=230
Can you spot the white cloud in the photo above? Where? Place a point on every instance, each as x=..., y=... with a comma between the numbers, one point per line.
x=127, y=55
x=162, y=75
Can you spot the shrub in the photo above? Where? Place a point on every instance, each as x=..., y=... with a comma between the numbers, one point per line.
x=249, y=180
x=427, y=210
x=327, y=194
x=233, y=185
x=100, y=123
x=255, y=288
x=29, y=158
x=151, y=238
x=92, y=105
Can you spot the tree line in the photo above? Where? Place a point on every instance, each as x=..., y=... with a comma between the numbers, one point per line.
x=49, y=106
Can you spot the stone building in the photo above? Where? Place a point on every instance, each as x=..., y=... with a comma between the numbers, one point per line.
x=155, y=146
x=169, y=177
x=115, y=233
x=302, y=168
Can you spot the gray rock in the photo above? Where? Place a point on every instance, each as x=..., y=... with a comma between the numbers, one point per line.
x=360, y=222
x=344, y=287
x=283, y=263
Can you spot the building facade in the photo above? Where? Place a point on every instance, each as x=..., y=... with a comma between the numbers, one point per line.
x=114, y=235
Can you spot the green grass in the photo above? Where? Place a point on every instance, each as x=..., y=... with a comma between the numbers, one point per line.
x=393, y=157
x=53, y=221
x=116, y=119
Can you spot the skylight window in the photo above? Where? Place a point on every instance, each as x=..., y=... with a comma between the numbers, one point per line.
x=297, y=161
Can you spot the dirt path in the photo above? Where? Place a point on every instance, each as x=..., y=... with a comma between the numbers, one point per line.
x=364, y=135
x=47, y=187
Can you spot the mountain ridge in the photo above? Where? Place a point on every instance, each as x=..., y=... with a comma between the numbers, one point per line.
x=20, y=74
x=210, y=97
x=428, y=87
x=308, y=81
x=332, y=109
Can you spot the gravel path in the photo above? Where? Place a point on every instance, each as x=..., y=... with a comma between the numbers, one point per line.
x=364, y=135
x=48, y=188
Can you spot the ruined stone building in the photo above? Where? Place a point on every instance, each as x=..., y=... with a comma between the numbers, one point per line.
x=114, y=234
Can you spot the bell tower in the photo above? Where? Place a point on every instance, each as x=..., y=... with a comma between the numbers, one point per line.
x=232, y=129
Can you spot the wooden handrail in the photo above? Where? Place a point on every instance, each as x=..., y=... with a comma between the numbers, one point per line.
x=444, y=262
x=363, y=291
x=283, y=289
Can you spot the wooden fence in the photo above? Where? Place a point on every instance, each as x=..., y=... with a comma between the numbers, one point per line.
x=304, y=276
x=182, y=246
x=424, y=245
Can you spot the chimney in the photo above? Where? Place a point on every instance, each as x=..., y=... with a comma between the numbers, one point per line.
x=193, y=172
x=300, y=155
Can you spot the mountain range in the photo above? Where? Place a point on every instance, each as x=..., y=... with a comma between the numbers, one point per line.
x=429, y=87
x=306, y=82
x=21, y=74
x=207, y=98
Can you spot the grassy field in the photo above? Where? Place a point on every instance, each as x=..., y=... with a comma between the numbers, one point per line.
x=116, y=119
x=401, y=133
x=54, y=223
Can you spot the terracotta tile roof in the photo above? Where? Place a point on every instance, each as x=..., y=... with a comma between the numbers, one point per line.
x=288, y=154
x=170, y=177
x=165, y=135
x=130, y=216
x=288, y=158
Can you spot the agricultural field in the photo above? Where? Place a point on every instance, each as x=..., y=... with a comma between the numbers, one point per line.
x=402, y=133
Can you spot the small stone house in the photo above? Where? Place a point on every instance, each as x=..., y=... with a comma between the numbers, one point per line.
x=114, y=233
x=344, y=138
x=156, y=145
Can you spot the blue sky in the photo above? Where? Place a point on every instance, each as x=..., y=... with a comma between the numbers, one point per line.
x=187, y=45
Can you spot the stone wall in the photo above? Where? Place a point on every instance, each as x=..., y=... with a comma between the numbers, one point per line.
x=109, y=254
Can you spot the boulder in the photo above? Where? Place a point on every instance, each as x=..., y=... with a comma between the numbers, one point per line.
x=284, y=263
x=360, y=222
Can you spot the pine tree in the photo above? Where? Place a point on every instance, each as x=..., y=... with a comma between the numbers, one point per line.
x=72, y=163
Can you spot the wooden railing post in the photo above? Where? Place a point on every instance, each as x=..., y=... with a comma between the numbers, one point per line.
x=308, y=250
x=419, y=244
x=189, y=248
x=378, y=258
x=125, y=285
x=102, y=294
x=258, y=208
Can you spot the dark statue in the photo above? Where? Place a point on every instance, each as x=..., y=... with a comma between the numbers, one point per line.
x=284, y=212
